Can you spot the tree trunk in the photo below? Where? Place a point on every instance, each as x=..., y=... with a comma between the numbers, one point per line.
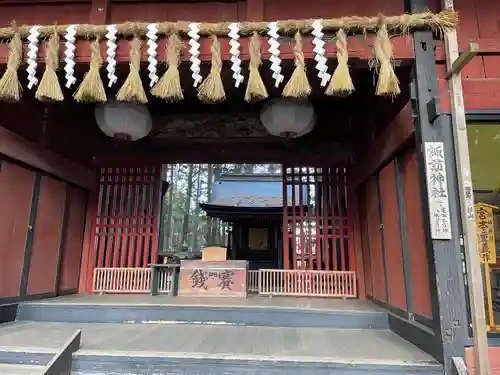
x=213, y=238
x=187, y=206
x=210, y=177
x=196, y=220
x=168, y=228
x=238, y=168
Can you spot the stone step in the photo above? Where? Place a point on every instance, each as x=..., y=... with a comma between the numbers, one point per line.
x=213, y=315
x=144, y=363
x=10, y=369
x=11, y=355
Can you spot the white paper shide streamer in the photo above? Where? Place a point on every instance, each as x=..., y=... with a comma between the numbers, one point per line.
x=32, y=56
x=194, y=51
x=234, y=29
x=152, y=53
x=319, y=51
x=69, y=54
x=111, y=54
x=274, y=50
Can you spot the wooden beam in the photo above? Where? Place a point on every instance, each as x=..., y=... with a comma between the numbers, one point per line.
x=462, y=60
x=487, y=46
x=446, y=276
x=223, y=152
x=455, y=63
x=24, y=151
x=384, y=147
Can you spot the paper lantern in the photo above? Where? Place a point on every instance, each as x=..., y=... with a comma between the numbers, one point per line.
x=288, y=118
x=123, y=120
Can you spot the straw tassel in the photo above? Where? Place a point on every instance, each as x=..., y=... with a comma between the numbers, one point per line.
x=341, y=83
x=298, y=86
x=388, y=83
x=256, y=90
x=50, y=89
x=212, y=89
x=10, y=87
x=132, y=90
x=91, y=90
x=169, y=86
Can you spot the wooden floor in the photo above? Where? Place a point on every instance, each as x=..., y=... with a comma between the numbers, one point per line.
x=253, y=301
x=212, y=341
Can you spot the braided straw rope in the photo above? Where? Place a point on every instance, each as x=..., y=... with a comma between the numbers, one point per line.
x=341, y=83
x=169, y=86
x=132, y=90
x=50, y=89
x=10, y=87
x=298, y=86
x=91, y=90
x=256, y=90
x=443, y=21
x=212, y=89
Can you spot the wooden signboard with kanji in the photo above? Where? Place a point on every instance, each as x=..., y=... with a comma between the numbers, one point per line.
x=227, y=278
x=485, y=230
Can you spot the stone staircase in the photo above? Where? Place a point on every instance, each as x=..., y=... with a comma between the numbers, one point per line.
x=201, y=340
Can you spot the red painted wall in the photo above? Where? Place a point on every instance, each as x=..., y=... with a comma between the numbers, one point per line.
x=392, y=237
x=415, y=235
x=47, y=239
x=73, y=239
x=479, y=22
x=369, y=221
x=55, y=242
x=376, y=256
x=494, y=355
x=42, y=14
x=16, y=190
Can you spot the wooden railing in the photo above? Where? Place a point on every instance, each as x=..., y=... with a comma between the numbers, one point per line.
x=121, y=280
x=165, y=280
x=307, y=283
x=253, y=281
x=265, y=282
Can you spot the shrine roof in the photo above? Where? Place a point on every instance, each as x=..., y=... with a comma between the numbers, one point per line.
x=254, y=191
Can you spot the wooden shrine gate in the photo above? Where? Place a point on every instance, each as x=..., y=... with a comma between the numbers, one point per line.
x=318, y=257
x=126, y=226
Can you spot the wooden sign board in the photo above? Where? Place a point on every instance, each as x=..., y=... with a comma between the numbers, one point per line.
x=437, y=191
x=485, y=231
x=226, y=278
x=214, y=253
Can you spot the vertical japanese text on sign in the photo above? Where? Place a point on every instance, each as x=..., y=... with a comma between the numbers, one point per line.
x=437, y=189
x=485, y=230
